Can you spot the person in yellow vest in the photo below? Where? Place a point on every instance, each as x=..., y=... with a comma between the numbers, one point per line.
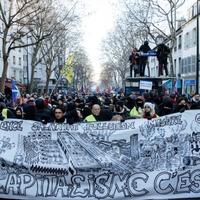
x=137, y=110
x=98, y=114
x=5, y=113
x=96, y=109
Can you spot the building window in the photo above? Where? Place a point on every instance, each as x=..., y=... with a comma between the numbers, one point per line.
x=187, y=40
x=175, y=66
x=194, y=36
x=175, y=45
x=189, y=66
x=20, y=61
x=14, y=73
x=193, y=63
x=24, y=57
x=179, y=42
x=14, y=60
x=179, y=65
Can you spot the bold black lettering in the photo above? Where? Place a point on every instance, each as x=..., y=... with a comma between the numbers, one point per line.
x=134, y=184
x=160, y=183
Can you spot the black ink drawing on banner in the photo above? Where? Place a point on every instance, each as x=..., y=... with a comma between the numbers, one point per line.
x=41, y=154
x=6, y=144
x=94, y=150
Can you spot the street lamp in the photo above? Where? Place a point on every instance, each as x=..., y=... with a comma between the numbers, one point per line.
x=197, y=51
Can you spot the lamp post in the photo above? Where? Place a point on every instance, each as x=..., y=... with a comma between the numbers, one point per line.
x=197, y=51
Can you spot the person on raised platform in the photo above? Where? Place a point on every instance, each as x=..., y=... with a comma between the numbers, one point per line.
x=143, y=59
x=163, y=52
x=134, y=59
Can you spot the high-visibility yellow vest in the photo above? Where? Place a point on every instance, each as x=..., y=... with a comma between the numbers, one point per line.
x=5, y=113
x=134, y=112
x=90, y=118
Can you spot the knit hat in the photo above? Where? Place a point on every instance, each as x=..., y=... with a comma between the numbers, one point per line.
x=149, y=104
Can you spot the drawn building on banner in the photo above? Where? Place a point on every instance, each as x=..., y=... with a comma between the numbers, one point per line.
x=56, y=152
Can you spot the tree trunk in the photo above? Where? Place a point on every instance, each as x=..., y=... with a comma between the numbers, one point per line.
x=48, y=72
x=123, y=83
x=171, y=66
x=33, y=66
x=4, y=73
x=5, y=62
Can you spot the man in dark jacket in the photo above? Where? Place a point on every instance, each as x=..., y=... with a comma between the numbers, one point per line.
x=163, y=52
x=143, y=59
x=42, y=114
x=195, y=102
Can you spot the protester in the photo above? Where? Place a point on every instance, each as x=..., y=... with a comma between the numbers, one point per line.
x=149, y=111
x=120, y=109
x=73, y=115
x=5, y=113
x=59, y=115
x=43, y=114
x=19, y=113
x=136, y=111
x=98, y=114
x=195, y=104
x=134, y=62
x=163, y=52
x=143, y=59
x=166, y=107
x=181, y=105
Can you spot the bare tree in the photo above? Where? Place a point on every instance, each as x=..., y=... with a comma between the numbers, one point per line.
x=15, y=20
x=82, y=70
x=50, y=23
x=116, y=50
x=108, y=76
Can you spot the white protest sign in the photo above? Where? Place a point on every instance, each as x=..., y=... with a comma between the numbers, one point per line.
x=146, y=85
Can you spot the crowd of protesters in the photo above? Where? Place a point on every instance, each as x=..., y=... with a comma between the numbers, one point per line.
x=76, y=108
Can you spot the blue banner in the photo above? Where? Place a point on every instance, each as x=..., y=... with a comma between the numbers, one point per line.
x=15, y=91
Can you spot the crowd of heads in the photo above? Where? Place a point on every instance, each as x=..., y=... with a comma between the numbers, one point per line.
x=76, y=108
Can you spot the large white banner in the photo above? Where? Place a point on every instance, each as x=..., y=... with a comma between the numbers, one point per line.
x=135, y=159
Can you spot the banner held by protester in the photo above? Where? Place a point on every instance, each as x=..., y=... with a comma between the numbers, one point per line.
x=140, y=159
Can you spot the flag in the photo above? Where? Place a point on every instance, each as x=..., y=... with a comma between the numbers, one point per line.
x=15, y=91
x=67, y=70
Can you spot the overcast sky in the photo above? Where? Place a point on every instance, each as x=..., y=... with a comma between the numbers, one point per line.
x=102, y=14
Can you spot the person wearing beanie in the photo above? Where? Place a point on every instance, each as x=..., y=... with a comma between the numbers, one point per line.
x=149, y=111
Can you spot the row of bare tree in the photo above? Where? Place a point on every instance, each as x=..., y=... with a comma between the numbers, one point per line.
x=47, y=27
x=139, y=21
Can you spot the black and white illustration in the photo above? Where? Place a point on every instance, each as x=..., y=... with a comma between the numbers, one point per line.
x=102, y=160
